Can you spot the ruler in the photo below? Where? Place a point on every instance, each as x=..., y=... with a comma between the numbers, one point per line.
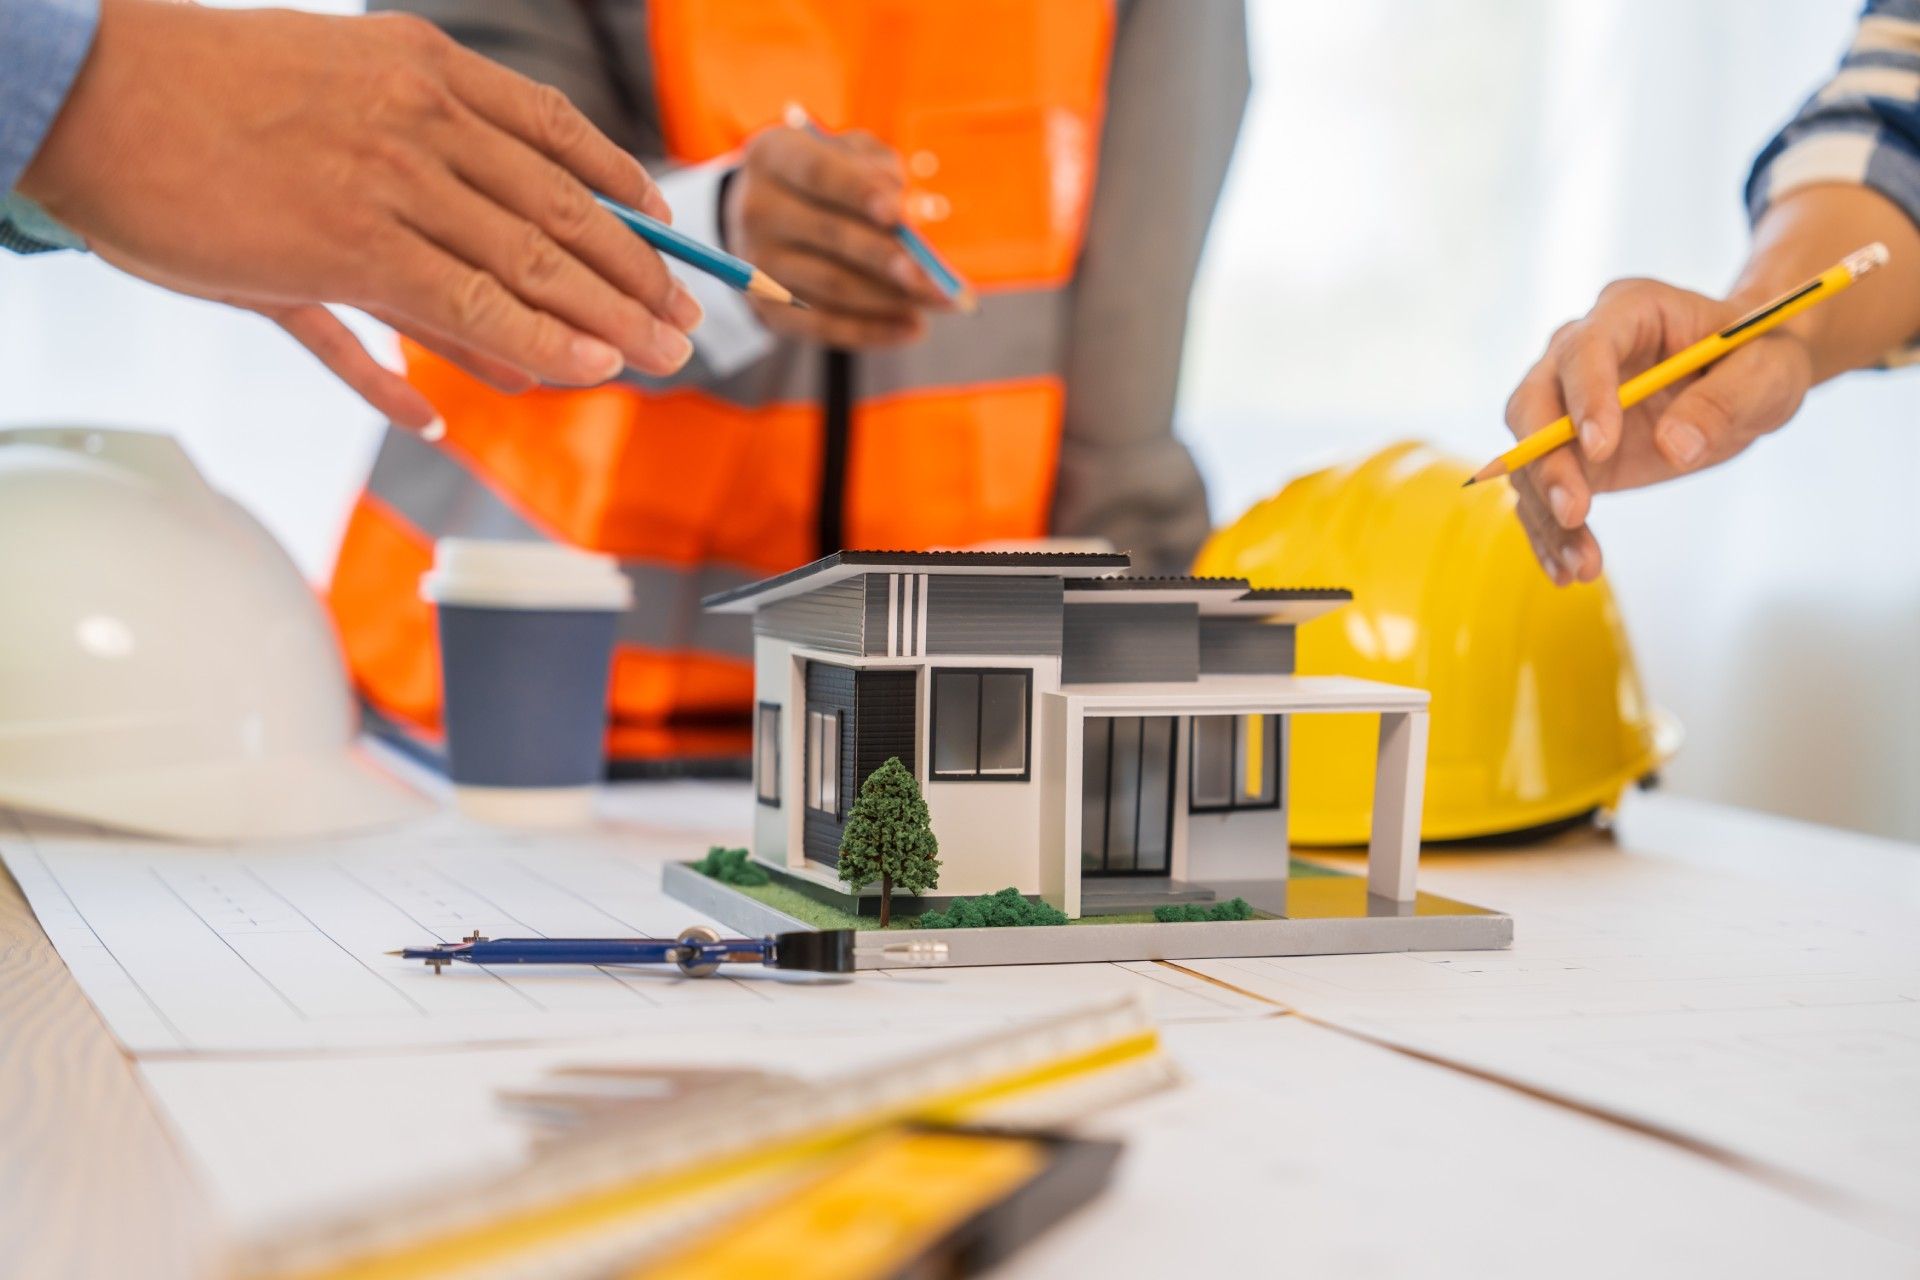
x=600, y=1201
x=907, y=1201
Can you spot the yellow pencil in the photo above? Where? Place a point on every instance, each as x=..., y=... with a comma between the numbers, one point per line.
x=1698, y=356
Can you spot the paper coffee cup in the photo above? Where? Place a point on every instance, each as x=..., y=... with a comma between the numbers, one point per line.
x=526, y=651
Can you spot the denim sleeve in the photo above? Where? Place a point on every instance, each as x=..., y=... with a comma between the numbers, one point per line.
x=42, y=44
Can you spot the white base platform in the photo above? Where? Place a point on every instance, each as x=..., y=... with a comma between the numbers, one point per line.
x=1324, y=915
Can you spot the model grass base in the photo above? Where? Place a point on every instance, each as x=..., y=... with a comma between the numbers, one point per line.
x=1318, y=915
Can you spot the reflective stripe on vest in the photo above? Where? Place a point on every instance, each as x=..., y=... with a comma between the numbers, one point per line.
x=680, y=673
x=440, y=498
x=1012, y=337
x=696, y=484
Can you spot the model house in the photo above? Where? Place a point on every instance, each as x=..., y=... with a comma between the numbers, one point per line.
x=1099, y=741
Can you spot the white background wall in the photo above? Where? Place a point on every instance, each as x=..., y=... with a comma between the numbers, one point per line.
x=1422, y=192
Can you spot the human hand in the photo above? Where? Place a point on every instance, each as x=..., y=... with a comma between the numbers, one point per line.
x=1696, y=423
x=280, y=161
x=817, y=214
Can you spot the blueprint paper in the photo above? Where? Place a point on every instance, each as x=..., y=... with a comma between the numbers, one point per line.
x=1320, y=1139
x=283, y=1139
x=1780, y=1026
x=279, y=948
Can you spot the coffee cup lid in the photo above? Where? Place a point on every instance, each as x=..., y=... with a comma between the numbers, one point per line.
x=523, y=575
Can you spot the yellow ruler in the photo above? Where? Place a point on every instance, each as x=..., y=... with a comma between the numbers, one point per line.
x=945, y=1202
x=601, y=1200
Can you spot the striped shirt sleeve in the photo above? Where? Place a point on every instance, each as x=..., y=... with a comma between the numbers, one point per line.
x=1863, y=126
x=26, y=228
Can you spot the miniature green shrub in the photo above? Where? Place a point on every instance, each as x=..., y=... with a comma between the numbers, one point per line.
x=730, y=866
x=1195, y=913
x=1009, y=907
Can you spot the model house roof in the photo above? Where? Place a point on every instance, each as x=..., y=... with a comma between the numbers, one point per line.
x=1299, y=593
x=849, y=564
x=1164, y=590
x=1090, y=576
x=1216, y=597
x=1279, y=604
x=1124, y=589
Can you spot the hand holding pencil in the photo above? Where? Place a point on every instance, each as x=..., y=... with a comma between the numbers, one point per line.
x=1709, y=378
x=821, y=213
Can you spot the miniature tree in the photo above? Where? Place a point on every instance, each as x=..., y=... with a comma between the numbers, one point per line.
x=889, y=837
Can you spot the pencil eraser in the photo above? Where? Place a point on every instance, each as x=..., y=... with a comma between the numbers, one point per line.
x=1861, y=261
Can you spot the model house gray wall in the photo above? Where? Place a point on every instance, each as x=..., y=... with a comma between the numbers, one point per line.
x=1018, y=616
x=1245, y=647
x=831, y=618
x=1117, y=643
x=920, y=615
x=886, y=704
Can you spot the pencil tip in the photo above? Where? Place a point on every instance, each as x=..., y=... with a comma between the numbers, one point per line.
x=396, y=953
x=1468, y=483
x=765, y=286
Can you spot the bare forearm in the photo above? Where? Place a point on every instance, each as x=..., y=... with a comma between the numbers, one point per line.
x=1809, y=230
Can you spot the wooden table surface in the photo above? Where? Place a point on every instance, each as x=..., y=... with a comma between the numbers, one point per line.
x=92, y=1184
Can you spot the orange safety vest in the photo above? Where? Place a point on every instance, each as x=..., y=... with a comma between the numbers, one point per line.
x=697, y=485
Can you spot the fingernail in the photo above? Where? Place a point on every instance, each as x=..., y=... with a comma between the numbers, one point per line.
x=684, y=307
x=1590, y=436
x=1557, y=572
x=1570, y=557
x=675, y=346
x=656, y=204
x=435, y=430
x=884, y=210
x=1684, y=442
x=1562, y=504
x=596, y=359
x=905, y=272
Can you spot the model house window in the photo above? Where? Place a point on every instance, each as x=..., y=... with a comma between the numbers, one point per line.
x=766, y=754
x=1236, y=763
x=823, y=761
x=981, y=725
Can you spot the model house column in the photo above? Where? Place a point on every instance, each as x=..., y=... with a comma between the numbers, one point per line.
x=1399, y=781
x=1063, y=733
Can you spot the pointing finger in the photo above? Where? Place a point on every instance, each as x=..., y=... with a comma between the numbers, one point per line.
x=321, y=332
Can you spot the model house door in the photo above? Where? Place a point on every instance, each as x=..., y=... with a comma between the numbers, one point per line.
x=1126, y=821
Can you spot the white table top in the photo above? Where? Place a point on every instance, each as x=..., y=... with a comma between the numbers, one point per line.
x=1295, y=1145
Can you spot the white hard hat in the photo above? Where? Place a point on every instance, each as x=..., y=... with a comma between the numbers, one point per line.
x=164, y=667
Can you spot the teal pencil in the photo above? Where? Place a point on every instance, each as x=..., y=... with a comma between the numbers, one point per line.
x=944, y=277
x=718, y=263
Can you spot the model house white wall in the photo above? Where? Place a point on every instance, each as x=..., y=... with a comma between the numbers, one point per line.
x=989, y=830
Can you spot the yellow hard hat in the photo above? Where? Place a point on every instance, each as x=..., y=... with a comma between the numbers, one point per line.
x=1538, y=712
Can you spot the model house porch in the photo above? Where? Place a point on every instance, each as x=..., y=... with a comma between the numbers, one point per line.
x=1094, y=740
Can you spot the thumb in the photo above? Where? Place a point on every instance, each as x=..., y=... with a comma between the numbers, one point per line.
x=1743, y=397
